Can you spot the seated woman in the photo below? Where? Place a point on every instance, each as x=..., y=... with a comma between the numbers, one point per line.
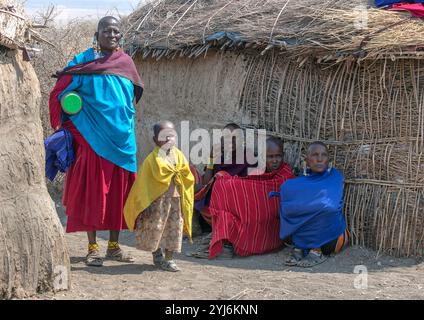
x=204, y=184
x=312, y=210
x=244, y=220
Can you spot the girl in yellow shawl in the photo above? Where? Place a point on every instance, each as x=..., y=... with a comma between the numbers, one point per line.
x=160, y=204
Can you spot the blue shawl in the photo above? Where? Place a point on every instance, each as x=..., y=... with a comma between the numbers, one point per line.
x=106, y=120
x=311, y=209
x=59, y=152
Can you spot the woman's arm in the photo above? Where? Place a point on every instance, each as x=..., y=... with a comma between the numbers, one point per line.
x=54, y=103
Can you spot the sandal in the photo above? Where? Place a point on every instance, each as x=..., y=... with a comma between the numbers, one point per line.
x=288, y=244
x=119, y=255
x=296, y=256
x=206, y=240
x=169, y=265
x=201, y=254
x=227, y=252
x=312, y=259
x=93, y=259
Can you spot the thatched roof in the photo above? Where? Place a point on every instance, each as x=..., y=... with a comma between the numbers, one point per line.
x=16, y=29
x=13, y=24
x=326, y=29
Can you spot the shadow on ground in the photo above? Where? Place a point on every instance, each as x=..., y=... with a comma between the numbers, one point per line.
x=116, y=269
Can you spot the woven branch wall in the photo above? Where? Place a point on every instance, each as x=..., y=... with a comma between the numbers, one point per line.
x=371, y=115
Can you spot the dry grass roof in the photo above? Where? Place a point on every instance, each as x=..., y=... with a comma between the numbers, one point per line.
x=16, y=28
x=13, y=24
x=326, y=29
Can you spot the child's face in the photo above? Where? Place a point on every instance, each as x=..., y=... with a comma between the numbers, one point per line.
x=274, y=157
x=166, y=139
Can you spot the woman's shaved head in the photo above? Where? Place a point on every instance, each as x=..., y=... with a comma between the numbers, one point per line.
x=314, y=144
x=108, y=20
x=108, y=34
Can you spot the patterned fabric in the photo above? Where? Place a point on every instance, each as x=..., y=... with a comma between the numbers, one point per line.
x=203, y=197
x=154, y=179
x=160, y=225
x=243, y=214
x=205, y=192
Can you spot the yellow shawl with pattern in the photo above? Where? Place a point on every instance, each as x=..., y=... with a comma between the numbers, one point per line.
x=153, y=180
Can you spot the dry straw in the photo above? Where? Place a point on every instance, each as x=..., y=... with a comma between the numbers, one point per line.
x=13, y=24
x=328, y=29
x=16, y=29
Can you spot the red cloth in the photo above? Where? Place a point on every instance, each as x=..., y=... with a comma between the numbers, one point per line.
x=95, y=188
x=416, y=9
x=204, y=191
x=54, y=104
x=243, y=214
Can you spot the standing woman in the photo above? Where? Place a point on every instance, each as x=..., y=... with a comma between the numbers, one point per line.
x=98, y=182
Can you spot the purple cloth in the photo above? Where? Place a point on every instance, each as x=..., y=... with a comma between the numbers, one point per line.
x=117, y=63
x=59, y=153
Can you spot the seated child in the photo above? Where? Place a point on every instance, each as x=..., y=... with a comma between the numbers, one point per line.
x=160, y=204
x=274, y=156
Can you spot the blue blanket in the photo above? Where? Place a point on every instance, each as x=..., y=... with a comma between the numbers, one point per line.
x=106, y=120
x=59, y=152
x=311, y=209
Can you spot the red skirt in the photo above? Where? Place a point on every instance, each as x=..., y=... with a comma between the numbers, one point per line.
x=95, y=189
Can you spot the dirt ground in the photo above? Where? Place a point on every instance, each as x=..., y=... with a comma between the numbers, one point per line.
x=257, y=277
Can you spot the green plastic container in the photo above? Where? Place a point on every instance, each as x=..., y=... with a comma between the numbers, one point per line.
x=71, y=103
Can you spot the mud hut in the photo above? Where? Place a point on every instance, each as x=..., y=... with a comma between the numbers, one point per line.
x=33, y=254
x=339, y=71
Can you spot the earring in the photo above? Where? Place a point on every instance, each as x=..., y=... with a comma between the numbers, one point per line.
x=121, y=42
x=330, y=166
x=305, y=169
x=96, y=48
